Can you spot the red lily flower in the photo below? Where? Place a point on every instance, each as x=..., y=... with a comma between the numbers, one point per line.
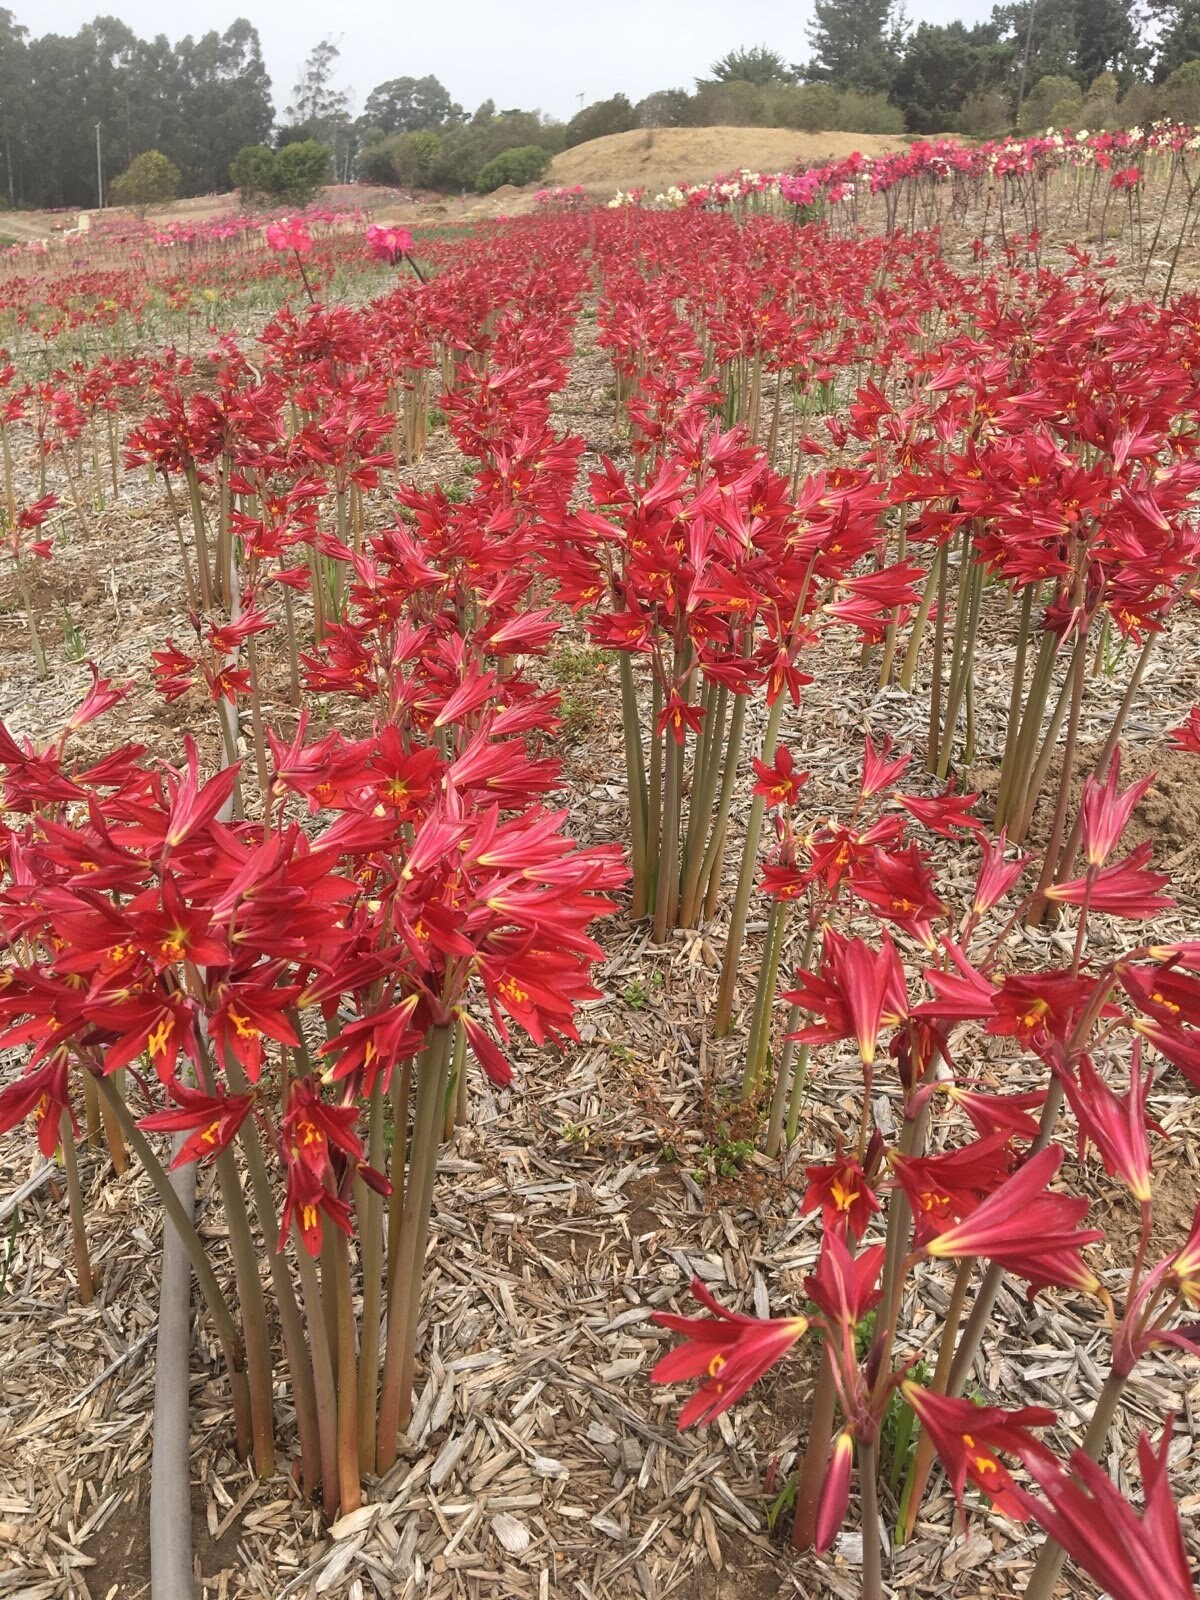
x=214, y=1119
x=967, y=1436
x=1026, y=1230
x=730, y=1350
x=1131, y=1557
x=1187, y=736
x=1125, y=888
x=845, y=1198
x=857, y=992
x=780, y=783
x=1104, y=811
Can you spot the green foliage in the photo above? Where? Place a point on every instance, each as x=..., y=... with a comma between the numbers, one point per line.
x=294, y=173
x=855, y=44
x=602, y=117
x=735, y=104
x=1179, y=41
x=300, y=171
x=811, y=107
x=665, y=108
x=525, y=164
x=150, y=179
x=413, y=158
x=410, y=105
x=984, y=115
x=943, y=66
x=252, y=172
x=1179, y=96
x=756, y=65
x=1052, y=100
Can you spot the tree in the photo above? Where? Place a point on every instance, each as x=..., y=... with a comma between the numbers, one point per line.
x=600, y=118
x=942, y=67
x=755, y=64
x=855, y=44
x=1106, y=39
x=1180, y=94
x=149, y=180
x=409, y=105
x=665, y=108
x=315, y=102
x=1179, y=36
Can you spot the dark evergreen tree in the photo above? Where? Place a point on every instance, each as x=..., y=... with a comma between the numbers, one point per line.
x=855, y=44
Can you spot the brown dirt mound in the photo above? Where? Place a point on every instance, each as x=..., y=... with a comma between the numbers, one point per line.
x=659, y=157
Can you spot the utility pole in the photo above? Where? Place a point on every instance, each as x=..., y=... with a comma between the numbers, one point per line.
x=99, y=174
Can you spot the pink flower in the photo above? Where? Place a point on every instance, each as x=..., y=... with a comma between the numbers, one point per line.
x=389, y=244
x=289, y=233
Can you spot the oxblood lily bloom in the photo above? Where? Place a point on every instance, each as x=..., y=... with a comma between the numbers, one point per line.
x=1183, y=1274
x=310, y=1127
x=835, y=1491
x=878, y=771
x=857, y=992
x=845, y=1198
x=998, y=1113
x=679, y=716
x=1125, y=888
x=307, y=1200
x=1115, y=1124
x=996, y=875
x=1104, y=811
x=729, y=1350
x=213, y=1119
x=1130, y=1557
x=389, y=244
x=41, y=1093
x=943, y=1189
x=967, y=1436
x=1025, y=1229
x=845, y=1287
x=1187, y=736
x=780, y=783
x=947, y=814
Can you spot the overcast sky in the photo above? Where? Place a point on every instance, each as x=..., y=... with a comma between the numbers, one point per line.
x=528, y=53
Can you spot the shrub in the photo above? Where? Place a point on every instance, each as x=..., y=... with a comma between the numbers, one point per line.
x=984, y=114
x=869, y=113
x=252, y=172
x=149, y=180
x=300, y=170
x=1052, y=101
x=812, y=107
x=523, y=165
x=415, y=157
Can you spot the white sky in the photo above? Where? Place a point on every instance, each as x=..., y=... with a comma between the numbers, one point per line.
x=528, y=53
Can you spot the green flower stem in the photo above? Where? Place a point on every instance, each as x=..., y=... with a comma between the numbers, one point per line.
x=723, y=1016
x=218, y=1308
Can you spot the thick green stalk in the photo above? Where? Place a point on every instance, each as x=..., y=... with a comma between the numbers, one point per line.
x=933, y=747
x=349, y=1470
x=704, y=783
x=323, y=1385
x=1014, y=695
x=1015, y=780
x=1024, y=817
x=218, y=1308
x=635, y=774
x=723, y=1016
x=395, y=1399
x=759, y=1041
x=872, y=1533
x=666, y=898
x=79, y=1244
x=710, y=865
x=816, y=1457
x=372, y=1283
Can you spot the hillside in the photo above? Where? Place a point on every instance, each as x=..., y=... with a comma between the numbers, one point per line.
x=658, y=157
